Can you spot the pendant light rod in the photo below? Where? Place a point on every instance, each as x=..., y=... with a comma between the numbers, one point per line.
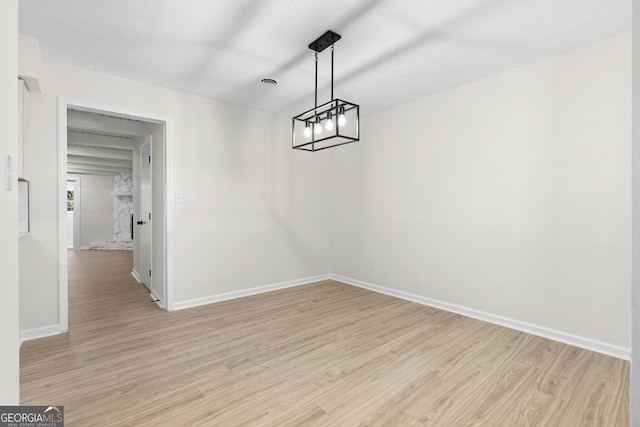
x=331, y=71
x=316, y=104
x=318, y=45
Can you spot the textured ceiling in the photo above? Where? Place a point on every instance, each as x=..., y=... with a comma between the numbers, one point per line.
x=391, y=51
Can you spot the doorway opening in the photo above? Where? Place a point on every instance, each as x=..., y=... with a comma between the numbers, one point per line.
x=101, y=146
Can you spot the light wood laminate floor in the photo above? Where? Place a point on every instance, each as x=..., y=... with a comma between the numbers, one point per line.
x=325, y=354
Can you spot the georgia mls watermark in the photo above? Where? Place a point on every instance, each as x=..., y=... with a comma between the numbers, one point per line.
x=31, y=416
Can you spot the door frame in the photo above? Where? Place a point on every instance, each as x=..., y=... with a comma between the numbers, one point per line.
x=165, y=246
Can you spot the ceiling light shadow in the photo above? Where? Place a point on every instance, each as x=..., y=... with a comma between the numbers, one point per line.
x=419, y=40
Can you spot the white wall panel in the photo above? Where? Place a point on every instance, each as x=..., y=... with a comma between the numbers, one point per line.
x=509, y=195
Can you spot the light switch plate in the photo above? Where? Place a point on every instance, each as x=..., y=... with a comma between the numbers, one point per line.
x=181, y=197
x=8, y=172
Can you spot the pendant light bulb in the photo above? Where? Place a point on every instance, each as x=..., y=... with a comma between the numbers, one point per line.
x=307, y=130
x=317, y=127
x=342, y=119
x=329, y=124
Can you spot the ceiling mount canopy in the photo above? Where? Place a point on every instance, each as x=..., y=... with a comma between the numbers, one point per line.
x=328, y=125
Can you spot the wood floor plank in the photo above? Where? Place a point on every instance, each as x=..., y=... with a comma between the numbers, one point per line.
x=324, y=354
x=598, y=394
x=308, y=415
x=623, y=412
x=280, y=401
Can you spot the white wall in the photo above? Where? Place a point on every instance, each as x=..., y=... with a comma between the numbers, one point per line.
x=9, y=337
x=635, y=303
x=257, y=213
x=509, y=195
x=96, y=208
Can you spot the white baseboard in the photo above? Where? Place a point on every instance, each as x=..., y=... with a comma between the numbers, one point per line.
x=41, y=332
x=136, y=276
x=563, y=337
x=247, y=292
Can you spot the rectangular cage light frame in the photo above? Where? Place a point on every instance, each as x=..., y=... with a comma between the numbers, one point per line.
x=332, y=124
x=341, y=134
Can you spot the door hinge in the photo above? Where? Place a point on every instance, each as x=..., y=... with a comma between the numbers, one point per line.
x=149, y=273
x=149, y=216
x=149, y=159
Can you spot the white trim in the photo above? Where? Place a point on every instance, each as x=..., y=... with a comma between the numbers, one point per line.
x=542, y=331
x=41, y=332
x=63, y=104
x=136, y=276
x=63, y=280
x=168, y=214
x=247, y=292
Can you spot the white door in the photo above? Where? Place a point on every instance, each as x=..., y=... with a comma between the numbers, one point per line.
x=73, y=213
x=144, y=216
x=71, y=209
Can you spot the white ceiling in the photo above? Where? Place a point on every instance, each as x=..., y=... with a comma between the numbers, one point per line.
x=391, y=51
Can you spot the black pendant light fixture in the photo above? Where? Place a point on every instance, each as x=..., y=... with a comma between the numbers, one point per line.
x=328, y=125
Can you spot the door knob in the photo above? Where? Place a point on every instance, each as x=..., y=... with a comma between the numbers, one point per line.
x=141, y=222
